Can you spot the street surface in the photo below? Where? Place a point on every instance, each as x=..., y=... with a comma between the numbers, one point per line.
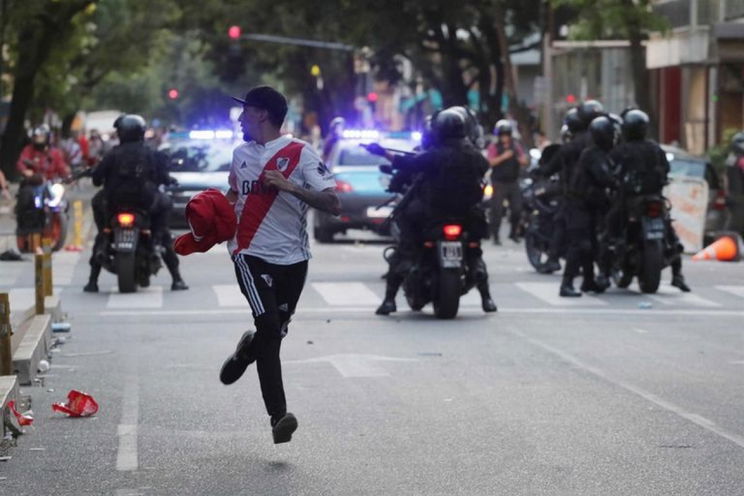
x=593, y=396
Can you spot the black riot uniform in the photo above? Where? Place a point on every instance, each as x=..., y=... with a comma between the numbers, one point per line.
x=585, y=205
x=446, y=181
x=562, y=164
x=131, y=174
x=642, y=169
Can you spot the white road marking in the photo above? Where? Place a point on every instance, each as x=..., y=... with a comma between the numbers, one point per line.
x=126, y=458
x=734, y=290
x=673, y=296
x=346, y=293
x=151, y=297
x=640, y=331
x=699, y=420
x=403, y=313
x=353, y=365
x=229, y=295
x=548, y=292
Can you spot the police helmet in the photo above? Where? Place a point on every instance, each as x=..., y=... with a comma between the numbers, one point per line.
x=473, y=129
x=337, y=123
x=603, y=132
x=503, y=127
x=447, y=124
x=589, y=110
x=573, y=121
x=41, y=136
x=635, y=125
x=566, y=133
x=130, y=128
x=737, y=143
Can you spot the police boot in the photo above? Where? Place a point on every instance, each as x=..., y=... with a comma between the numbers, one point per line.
x=487, y=303
x=388, y=304
x=567, y=288
x=92, y=286
x=678, y=281
x=552, y=265
x=592, y=285
x=602, y=281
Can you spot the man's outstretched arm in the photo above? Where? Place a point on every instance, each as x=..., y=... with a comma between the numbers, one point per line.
x=325, y=200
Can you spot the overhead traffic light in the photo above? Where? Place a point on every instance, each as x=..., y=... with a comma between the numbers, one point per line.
x=234, y=32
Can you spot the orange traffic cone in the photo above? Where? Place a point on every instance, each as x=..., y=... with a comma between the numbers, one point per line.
x=725, y=249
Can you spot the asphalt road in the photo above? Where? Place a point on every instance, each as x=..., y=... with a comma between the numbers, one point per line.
x=595, y=396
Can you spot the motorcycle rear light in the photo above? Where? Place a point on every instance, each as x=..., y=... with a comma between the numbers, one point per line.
x=720, y=202
x=452, y=231
x=429, y=244
x=345, y=218
x=654, y=209
x=125, y=220
x=474, y=244
x=343, y=187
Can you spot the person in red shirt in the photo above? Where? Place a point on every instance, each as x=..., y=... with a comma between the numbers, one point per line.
x=39, y=157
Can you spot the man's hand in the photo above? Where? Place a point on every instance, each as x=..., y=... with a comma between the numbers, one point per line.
x=508, y=154
x=27, y=172
x=276, y=179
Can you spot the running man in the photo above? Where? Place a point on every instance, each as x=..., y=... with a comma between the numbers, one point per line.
x=274, y=180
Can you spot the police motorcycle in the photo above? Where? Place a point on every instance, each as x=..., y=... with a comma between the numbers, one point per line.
x=541, y=200
x=642, y=251
x=41, y=208
x=439, y=272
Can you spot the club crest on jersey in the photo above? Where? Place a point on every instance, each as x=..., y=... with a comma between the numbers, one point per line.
x=282, y=163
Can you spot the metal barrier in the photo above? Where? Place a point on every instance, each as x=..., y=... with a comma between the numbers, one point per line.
x=6, y=358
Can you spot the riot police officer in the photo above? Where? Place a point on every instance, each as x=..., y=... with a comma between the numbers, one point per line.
x=563, y=163
x=131, y=174
x=451, y=149
x=642, y=168
x=586, y=203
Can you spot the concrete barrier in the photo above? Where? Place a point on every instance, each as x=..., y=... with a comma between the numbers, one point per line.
x=8, y=393
x=34, y=346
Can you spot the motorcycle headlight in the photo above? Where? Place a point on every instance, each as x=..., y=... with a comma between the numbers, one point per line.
x=56, y=191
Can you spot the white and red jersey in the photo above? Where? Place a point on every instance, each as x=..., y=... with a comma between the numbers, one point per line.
x=272, y=224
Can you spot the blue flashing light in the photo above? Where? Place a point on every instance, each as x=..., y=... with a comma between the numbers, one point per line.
x=208, y=134
x=417, y=136
x=361, y=134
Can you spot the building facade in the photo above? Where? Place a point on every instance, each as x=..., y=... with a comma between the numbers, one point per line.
x=697, y=71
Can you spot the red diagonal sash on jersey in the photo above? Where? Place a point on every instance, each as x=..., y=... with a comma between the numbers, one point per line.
x=258, y=205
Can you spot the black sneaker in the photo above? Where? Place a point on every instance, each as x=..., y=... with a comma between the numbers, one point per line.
x=283, y=428
x=179, y=285
x=236, y=363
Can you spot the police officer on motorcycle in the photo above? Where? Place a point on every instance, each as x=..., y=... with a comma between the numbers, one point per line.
x=131, y=174
x=642, y=169
x=585, y=204
x=451, y=140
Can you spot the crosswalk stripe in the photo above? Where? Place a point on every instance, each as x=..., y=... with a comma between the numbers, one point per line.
x=548, y=292
x=151, y=297
x=229, y=295
x=346, y=293
x=734, y=290
x=672, y=296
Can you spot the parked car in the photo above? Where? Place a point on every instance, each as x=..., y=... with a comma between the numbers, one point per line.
x=683, y=164
x=198, y=161
x=361, y=187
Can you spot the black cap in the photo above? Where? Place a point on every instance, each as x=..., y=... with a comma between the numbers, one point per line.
x=269, y=99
